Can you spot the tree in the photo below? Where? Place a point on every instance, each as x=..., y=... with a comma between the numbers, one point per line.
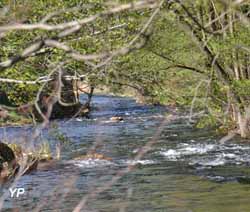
x=220, y=33
x=73, y=41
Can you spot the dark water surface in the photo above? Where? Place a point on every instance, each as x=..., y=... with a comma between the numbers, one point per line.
x=185, y=171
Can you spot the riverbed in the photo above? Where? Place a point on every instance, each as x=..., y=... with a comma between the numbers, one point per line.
x=183, y=169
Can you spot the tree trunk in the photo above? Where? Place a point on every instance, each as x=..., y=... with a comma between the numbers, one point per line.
x=4, y=100
x=69, y=104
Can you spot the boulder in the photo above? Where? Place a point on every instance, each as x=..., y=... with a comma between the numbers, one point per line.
x=8, y=163
x=6, y=153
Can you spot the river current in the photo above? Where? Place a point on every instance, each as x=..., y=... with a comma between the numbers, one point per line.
x=183, y=170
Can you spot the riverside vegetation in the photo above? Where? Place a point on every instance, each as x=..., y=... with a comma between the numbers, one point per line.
x=191, y=54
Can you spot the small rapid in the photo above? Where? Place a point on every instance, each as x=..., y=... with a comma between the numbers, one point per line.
x=206, y=154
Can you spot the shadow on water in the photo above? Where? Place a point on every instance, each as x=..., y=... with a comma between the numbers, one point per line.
x=186, y=171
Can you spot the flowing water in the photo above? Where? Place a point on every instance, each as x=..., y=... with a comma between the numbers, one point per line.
x=185, y=170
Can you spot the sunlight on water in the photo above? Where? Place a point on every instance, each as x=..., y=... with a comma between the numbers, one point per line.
x=186, y=171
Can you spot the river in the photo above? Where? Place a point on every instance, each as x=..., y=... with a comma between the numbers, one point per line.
x=185, y=169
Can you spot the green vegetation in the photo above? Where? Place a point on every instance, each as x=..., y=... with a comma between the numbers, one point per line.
x=191, y=54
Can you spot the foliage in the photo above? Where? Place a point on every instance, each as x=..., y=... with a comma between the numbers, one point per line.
x=193, y=50
x=86, y=43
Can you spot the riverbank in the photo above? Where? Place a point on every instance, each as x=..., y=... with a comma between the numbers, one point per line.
x=23, y=121
x=13, y=118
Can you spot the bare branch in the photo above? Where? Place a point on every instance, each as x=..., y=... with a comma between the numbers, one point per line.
x=78, y=23
x=176, y=64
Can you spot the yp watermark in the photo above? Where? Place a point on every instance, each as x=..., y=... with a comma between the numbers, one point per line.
x=16, y=192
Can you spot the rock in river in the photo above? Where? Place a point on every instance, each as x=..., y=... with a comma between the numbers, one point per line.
x=8, y=163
